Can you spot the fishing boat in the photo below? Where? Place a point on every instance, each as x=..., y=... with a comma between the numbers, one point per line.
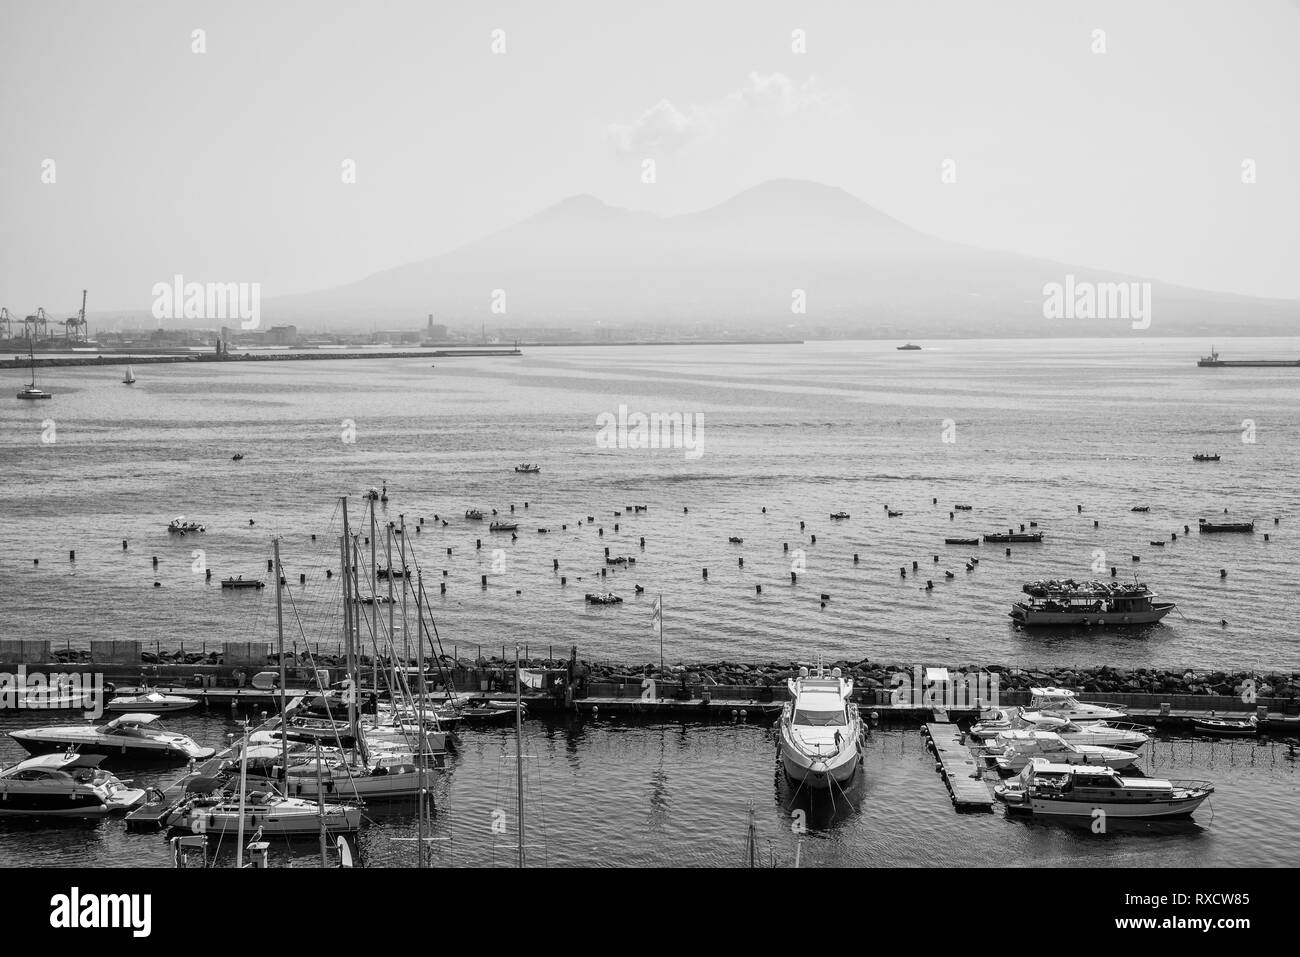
x=386, y=573
x=908, y=348
x=237, y=457
x=136, y=735
x=1140, y=508
x=31, y=392
x=153, y=702
x=129, y=378
x=1014, y=537
x=63, y=785
x=961, y=541
x=179, y=525
x=1015, y=749
x=963, y=508
x=503, y=527
x=609, y=598
x=528, y=469
x=1049, y=788
x=242, y=582
x=1227, y=727
x=1211, y=527
x=839, y=515
x=1205, y=457
x=474, y=515
x=820, y=731
x=1065, y=603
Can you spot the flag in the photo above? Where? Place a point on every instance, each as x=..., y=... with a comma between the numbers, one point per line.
x=656, y=617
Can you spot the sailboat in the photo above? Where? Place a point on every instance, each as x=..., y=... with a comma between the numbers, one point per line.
x=31, y=392
x=129, y=378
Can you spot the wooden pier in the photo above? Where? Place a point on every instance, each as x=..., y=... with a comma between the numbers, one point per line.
x=957, y=765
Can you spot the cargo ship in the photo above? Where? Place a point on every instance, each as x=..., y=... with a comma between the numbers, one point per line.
x=1213, y=361
x=1088, y=603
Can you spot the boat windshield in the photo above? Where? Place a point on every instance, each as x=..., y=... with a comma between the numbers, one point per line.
x=821, y=719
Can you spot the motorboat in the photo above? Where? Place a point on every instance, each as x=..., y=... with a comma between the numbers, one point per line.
x=65, y=784
x=1204, y=457
x=137, y=735
x=528, y=469
x=503, y=527
x=1208, y=527
x=1111, y=734
x=820, y=731
x=179, y=526
x=1012, y=537
x=908, y=348
x=1049, y=788
x=474, y=515
x=1063, y=703
x=1013, y=750
x=154, y=702
x=1071, y=603
x=609, y=598
x=242, y=582
x=1227, y=727
x=961, y=541
x=839, y=515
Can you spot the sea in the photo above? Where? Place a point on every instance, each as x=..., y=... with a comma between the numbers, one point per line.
x=762, y=444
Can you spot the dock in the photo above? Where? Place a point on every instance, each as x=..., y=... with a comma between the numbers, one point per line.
x=957, y=765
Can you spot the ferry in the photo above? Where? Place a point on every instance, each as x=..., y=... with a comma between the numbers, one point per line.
x=1044, y=787
x=820, y=730
x=1088, y=603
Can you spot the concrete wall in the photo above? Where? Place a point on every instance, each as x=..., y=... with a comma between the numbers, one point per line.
x=115, y=652
x=246, y=654
x=19, y=651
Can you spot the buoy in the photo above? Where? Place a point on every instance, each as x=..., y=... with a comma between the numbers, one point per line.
x=685, y=509
x=208, y=574
x=706, y=574
x=764, y=509
x=302, y=579
x=270, y=565
x=936, y=559
x=555, y=564
x=855, y=558
x=72, y=555
x=643, y=541
x=934, y=501
x=563, y=580
x=1096, y=524
x=329, y=573
x=124, y=544
x=785, y=546
x=518, y=591
x=814, y=539
x=825, y=597
x=449, y=551
x=1223, y=573
x=157, y=584
x=801, y=526
x=1008, y=553
x=823, y=604
x=313, y=538
x=155, y=561
x=758, y=589
x=442, y=587
x=793, y=578
x=742, y=562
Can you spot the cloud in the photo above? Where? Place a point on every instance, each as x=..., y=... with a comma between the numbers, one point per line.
x=667, y=128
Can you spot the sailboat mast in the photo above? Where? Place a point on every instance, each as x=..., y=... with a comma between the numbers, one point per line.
x=374, y=602
x=279, y=633
x=349, y=619
x=519, y=756
x=356, y=658
x=419, y=721
x=392, y=645
x=401, y=554
x=243, y=790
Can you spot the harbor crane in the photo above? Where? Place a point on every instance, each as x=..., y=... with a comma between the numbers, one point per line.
x=75, y=328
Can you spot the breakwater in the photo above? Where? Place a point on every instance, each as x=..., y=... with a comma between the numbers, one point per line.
x=109, y=359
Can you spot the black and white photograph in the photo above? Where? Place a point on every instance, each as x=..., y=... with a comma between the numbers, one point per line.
x=686, y=436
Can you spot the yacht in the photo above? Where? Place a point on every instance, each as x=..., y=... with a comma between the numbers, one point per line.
x=274, y=814
x=31, y=392
x=154, y=702
x=129, y=378
x=1063, y=703
x=1013, y=750
x=63, y=785
x=1044, y=787
x=130, y=736
x=820, y=730
x=996, y=722
x=331, y=776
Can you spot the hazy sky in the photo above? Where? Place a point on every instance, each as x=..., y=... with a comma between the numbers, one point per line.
x=226, y=165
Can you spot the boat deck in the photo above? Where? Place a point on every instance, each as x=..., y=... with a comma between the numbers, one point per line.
x=957, y=764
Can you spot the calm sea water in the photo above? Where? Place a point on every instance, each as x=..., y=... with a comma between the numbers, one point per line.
x=606, y=793
x=1036, y=429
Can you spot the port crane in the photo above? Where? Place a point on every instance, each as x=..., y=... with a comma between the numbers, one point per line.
x=75, y=328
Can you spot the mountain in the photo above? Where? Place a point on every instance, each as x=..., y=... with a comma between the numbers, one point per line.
x=736, y=267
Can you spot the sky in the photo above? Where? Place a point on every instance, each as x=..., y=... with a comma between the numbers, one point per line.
x=1120, y=150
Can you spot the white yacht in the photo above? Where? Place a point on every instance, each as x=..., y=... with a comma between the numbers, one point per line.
x=220, y=814
x=63, y=785
x=1013, y=750
x=820, y=730
x=1111, y=734
x=130, y=736
x=1063, y=703
x=1044, y=787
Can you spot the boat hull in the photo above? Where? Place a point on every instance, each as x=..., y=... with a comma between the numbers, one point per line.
x=337, y=820
x=821, y=774
x=1171, y=808
x=41, y=744
x=1036, y=618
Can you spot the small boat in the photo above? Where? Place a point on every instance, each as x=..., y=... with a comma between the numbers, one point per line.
x=1002, y=727
x=733, y=540
x=609, y=598
x=908, y=348
x=839, y=514
x=1069, y=603
x=221, y=814
x=129, y=378
x=961, y=541
x=179, y=525
x=1140, y=508
x=1227, y=727
x=372, y=600
x=394, y=573
x=1066, y=704
x=1205, y=526
x=474, y=515
x=1203, y=457
x=237, y=457
x=63, y=785
x=963, y=508
x=892, y=513
x=503, y=527
x=820, y=731
x=372, y=495
x=1014, y=537
x=1048, y=788
x=242, y=582
x=528, y=469
x=136, y=735
x=1015, y=749
x=154, y=702
x=31, y=392
x=620, y=560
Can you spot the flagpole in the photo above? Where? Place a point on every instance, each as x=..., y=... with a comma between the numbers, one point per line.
x=661, y=635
